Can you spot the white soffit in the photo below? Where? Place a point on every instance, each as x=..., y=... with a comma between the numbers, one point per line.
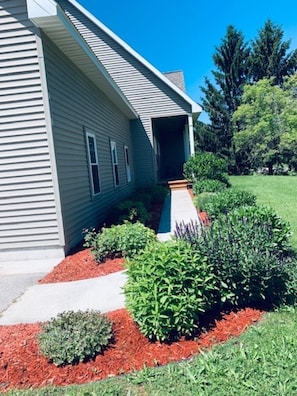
x=47, y=15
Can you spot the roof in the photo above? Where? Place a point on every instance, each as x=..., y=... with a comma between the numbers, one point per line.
x=196, y=108
x=48, y=15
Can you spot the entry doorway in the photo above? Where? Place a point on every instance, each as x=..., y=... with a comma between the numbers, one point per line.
x=171, y=146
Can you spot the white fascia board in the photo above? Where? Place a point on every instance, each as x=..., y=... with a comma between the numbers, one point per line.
x=196, y=108
x=44, y=10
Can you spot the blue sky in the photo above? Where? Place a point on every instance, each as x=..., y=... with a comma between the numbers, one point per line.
x=182, y=35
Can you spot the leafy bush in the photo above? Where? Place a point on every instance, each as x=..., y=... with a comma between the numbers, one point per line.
x=228, y=200
x=259, y=215
x=123, y=240
x=75, y=337
x=132, y=211
x=138, y=207
x=244, y=258
x=157, y=193
x=169, y=286
x=208, y=185
x=202, y=199
x=206, y=166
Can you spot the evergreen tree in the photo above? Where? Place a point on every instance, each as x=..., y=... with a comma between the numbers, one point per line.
x=223, y=96
x=270, y=56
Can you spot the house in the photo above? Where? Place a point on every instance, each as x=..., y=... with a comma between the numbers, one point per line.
x=84, y=121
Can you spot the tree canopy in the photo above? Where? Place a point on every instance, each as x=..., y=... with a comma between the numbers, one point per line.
x=270, y=56
x=237, y=64
x=267, y=122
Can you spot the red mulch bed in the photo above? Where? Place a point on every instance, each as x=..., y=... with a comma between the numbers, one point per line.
x=82, y=265
x=21, y=365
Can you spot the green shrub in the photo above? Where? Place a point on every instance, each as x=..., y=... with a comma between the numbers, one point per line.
x=249, y=265
x=259, y=215
x=206, y=166
x=75, y=337
x=228, y=200
x=202, y=199
x=188, y=232
x=144, y=197
x=123, y=240
x=138, y=206
x=156, y=192
x=131, y=211
x=208, y=185
x=169, y=286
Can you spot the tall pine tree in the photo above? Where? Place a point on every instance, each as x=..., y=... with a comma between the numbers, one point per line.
x=270, y=56
x=223, y=96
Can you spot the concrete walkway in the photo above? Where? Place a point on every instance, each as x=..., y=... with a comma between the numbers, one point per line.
x=25, y=301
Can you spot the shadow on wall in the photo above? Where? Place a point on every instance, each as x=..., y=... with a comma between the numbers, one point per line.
x=165, y=221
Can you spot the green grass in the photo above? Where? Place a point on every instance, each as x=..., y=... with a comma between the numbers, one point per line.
x=278, y=192
x=262, y=361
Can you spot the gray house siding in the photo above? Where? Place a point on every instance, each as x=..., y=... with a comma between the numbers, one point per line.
x=28, y=205
x=149, y=95
x=76, y=106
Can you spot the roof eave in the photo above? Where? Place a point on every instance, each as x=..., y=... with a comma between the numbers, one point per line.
x=196, y=108
x=48, y=16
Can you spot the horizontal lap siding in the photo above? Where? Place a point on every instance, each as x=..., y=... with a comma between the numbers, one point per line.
x=28, y=216
x=149, y=95
x=77, y=104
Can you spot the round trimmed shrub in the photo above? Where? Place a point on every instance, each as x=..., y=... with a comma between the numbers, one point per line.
x=123, y=240
x=169, y=287
x=74, y=337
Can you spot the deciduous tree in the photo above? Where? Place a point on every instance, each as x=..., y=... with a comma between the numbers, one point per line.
x=267, y=122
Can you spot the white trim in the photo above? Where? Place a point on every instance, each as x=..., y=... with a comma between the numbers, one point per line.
x=51, y=147
x=115, y=163
x=93, y=163
x=47, y=21
x=191, y=135
x=127, y=163
x=44, y=9
x=196, y=108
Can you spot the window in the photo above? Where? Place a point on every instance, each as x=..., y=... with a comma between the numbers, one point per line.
x=127, y=160
x=115, y=165
x=93, y=163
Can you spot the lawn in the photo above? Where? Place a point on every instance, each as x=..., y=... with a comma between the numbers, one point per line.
x=278, y=192
x=262, y=361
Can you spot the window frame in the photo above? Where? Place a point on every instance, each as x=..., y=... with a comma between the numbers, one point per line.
x=93, y=162
x=127, y=163
x=115, y=163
